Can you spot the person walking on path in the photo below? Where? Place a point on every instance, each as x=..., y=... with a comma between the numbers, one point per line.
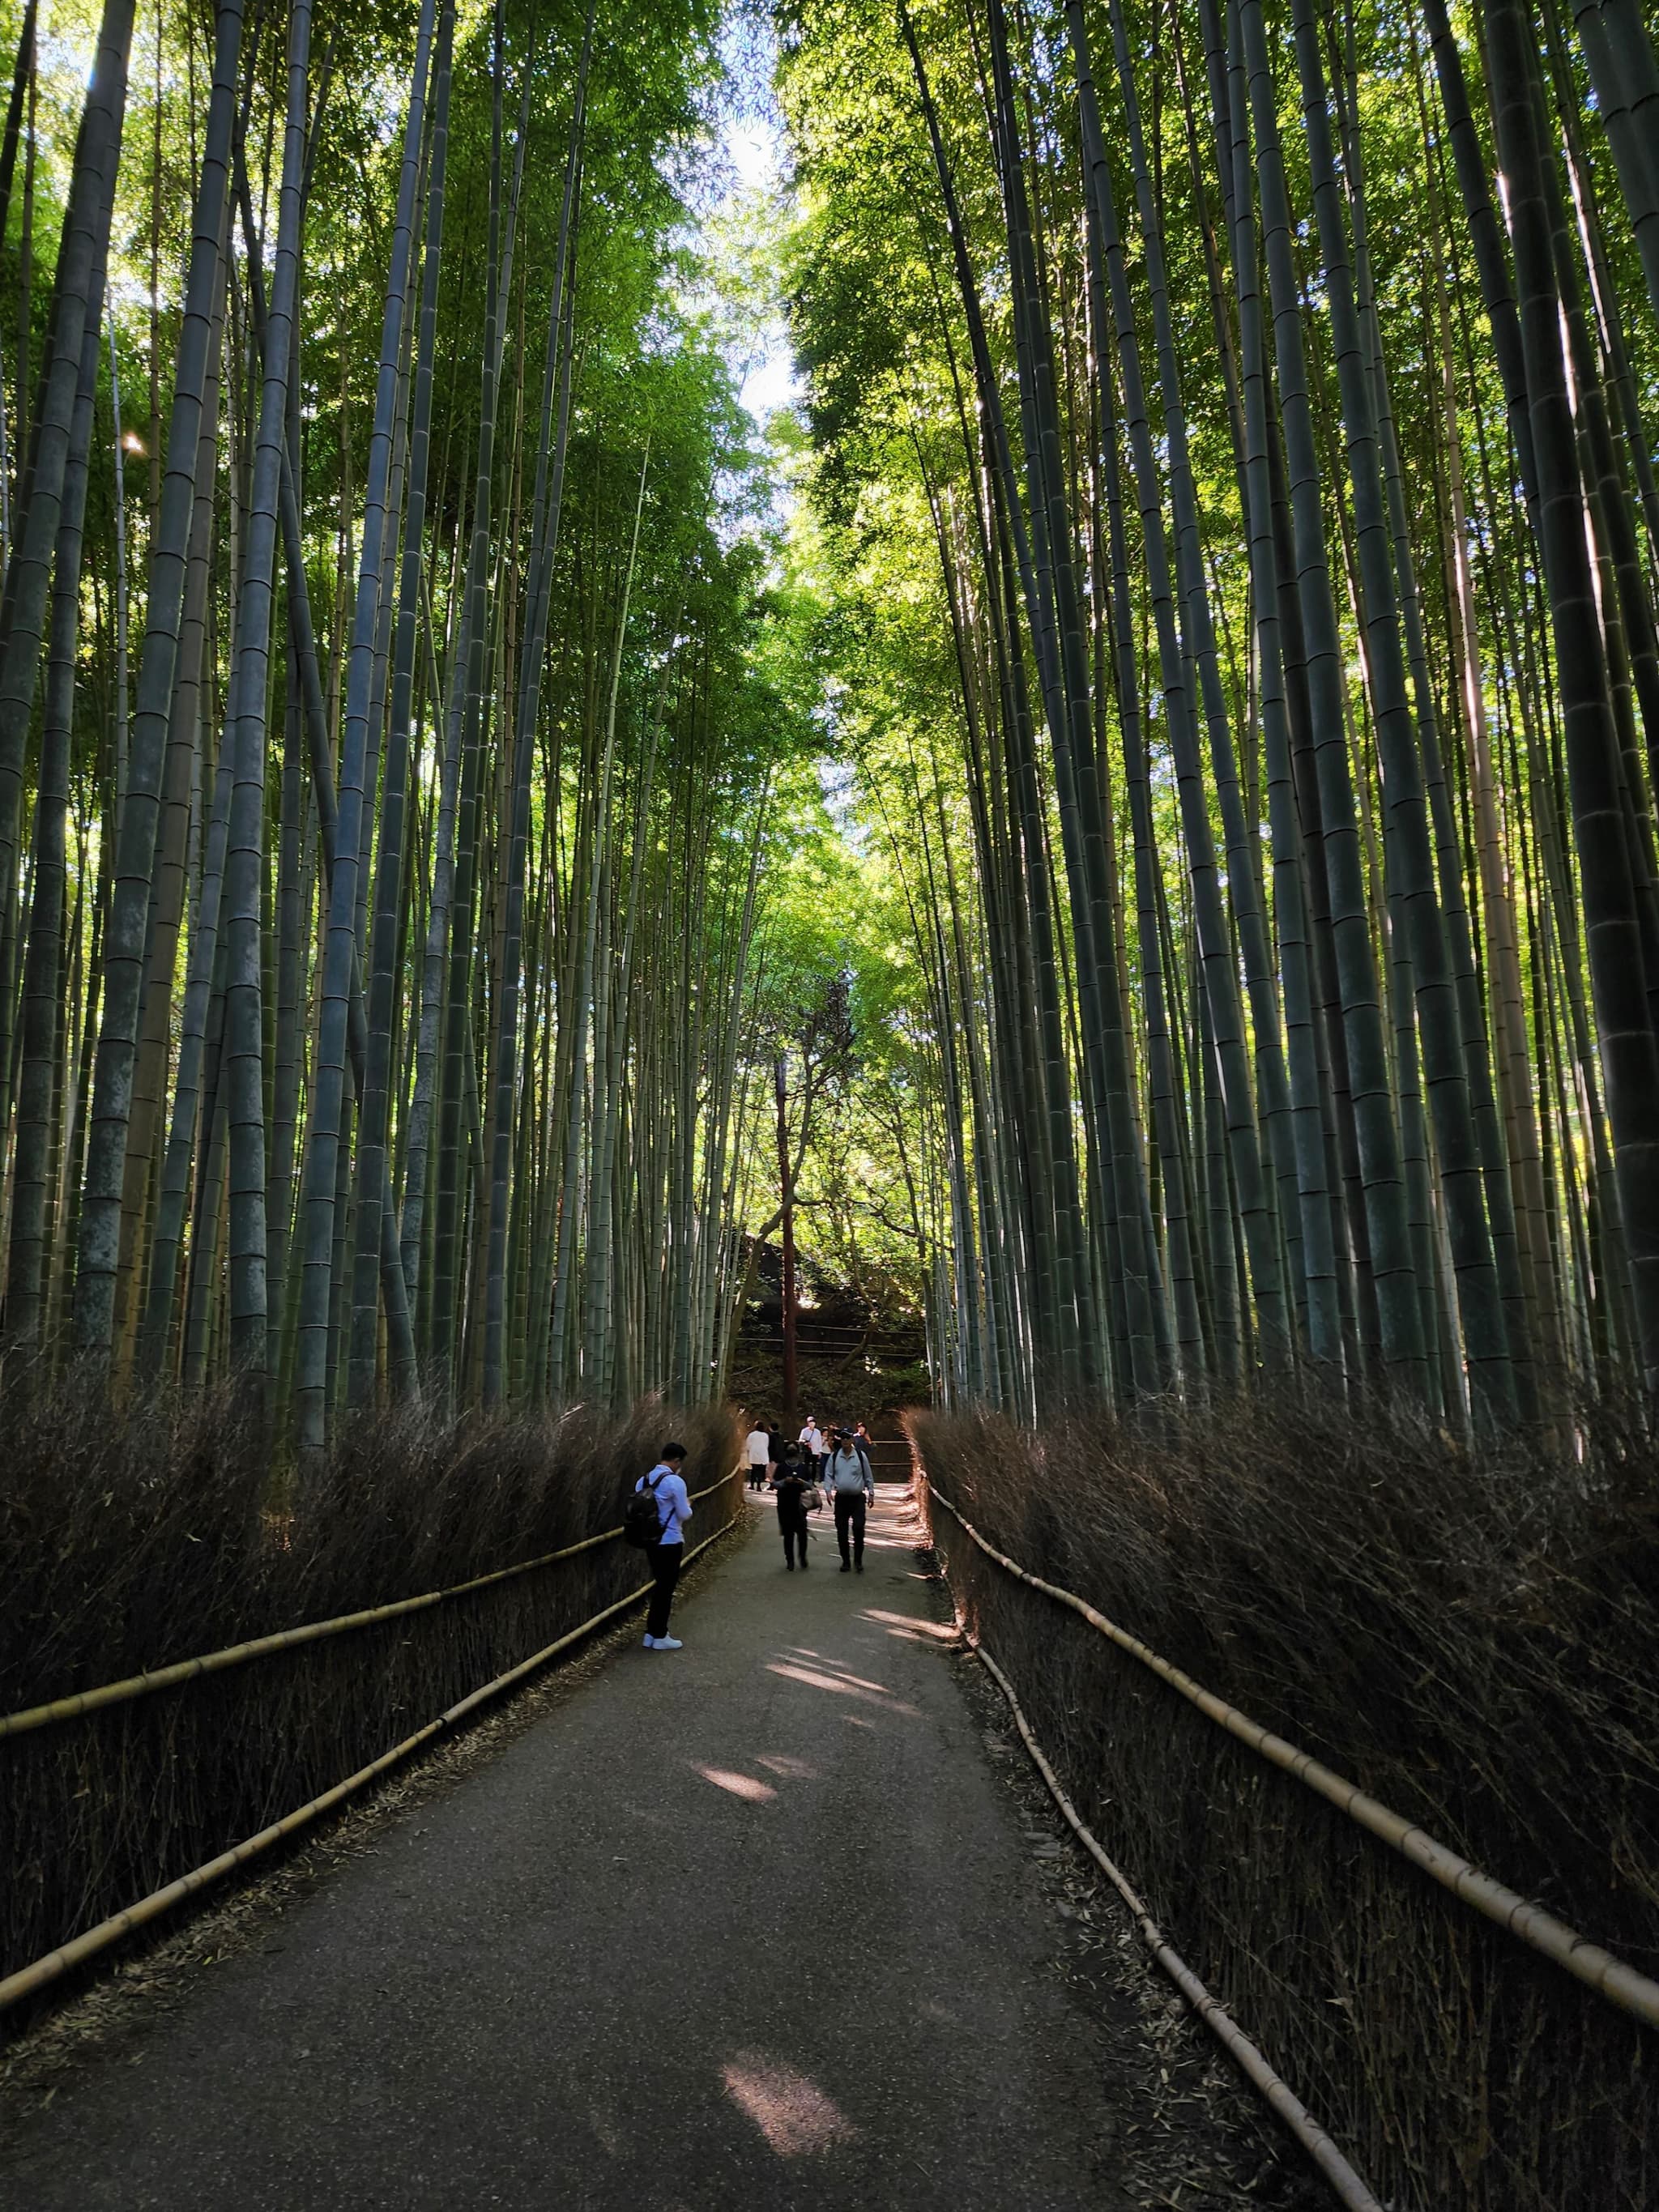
x=854, y=1489
x=792, y=1485
x=667, y=1483
x=757, y=1450
x=812, y=1443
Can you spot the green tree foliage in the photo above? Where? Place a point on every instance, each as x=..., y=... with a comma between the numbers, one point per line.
x=1183, y=693
x=1211, y=455
x=400, y=940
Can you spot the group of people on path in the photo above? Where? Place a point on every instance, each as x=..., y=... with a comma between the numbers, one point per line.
x=836, y=1461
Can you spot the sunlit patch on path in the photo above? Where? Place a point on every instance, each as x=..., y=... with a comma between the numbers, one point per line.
x=816, y=1678
x=915, y=1632
x=795, y=2116
x=739, y=1786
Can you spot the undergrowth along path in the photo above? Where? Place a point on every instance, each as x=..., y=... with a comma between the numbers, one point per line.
x=752, y=1922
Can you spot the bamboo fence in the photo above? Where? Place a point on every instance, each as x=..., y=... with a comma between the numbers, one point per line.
x=1346, y=2184
x=28, y=1980
x=1621, y=1985
x=287, y=1639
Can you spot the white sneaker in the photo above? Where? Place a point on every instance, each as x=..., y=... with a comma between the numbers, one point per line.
x=667, y=1643
x=650, y=1642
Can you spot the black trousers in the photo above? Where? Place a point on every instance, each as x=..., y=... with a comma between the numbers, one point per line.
x=664, y=1573
x=849, y=1511
x=795, y=1532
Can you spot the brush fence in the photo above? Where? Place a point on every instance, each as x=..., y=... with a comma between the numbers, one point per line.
x=121, y=1801
x=1463, y=2048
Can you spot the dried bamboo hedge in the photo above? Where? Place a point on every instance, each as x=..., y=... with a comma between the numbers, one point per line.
x=1478, y=1659
x=126, y=1545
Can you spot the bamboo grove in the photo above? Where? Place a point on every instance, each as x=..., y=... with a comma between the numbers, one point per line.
x=1234, y=515
x=1223, y=575
x=385, y=762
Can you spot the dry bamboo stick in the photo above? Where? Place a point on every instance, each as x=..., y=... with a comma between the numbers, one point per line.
x=1598, y=1969
x=285, y=1639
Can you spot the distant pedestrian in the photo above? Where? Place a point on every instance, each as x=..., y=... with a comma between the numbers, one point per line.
x=792, y=1487
x=774, y=1449
x=667, y=1483
x=813, y=1444
x=853, y=1488
x=757, y=1450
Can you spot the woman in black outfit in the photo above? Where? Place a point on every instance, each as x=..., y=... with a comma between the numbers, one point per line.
x=791, y=1484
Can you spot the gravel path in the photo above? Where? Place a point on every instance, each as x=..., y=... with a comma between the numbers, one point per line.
x=753, y=1923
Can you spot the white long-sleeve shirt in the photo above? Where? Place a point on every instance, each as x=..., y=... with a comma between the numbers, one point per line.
x=812, y=1438
x=758, y=1447
x=673, y=1505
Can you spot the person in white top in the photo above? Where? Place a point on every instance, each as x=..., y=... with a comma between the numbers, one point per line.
x=757, y=1450
x=812, y=1443
x=673, y=1511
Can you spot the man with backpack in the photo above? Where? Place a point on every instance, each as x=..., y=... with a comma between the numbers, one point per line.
x=660, y=1498
x=852, y=1488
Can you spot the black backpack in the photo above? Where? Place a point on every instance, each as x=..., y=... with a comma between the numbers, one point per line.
x=641, y=1522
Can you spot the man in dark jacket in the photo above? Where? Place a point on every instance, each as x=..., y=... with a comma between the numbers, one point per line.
x=792, y=1484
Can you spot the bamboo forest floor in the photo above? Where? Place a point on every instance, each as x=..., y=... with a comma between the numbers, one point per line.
x=779, y=1920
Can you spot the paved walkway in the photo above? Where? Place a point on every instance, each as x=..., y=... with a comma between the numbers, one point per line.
x=748, y=1924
